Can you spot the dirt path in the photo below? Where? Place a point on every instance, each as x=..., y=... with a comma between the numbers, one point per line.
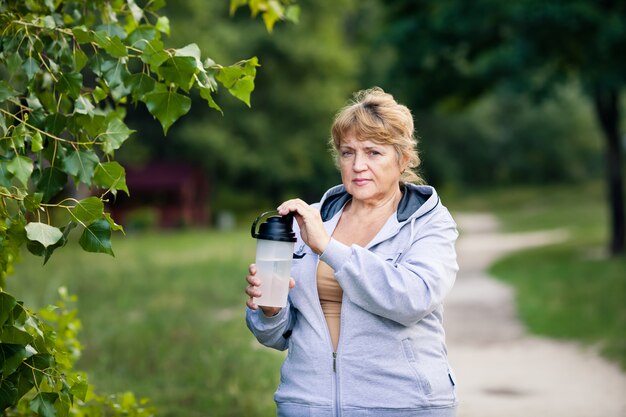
x=502, y=370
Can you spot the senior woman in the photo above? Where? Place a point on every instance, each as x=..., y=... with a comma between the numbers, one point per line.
x=373, y=263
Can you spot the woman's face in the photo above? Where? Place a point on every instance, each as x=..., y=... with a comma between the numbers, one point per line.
x=370, y=171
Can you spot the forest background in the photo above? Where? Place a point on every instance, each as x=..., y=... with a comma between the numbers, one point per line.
x=257, y=157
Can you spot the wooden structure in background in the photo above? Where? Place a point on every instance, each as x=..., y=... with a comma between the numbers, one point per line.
x=177, y=193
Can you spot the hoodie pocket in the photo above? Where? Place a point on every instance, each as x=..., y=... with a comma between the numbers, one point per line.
x=423, y=382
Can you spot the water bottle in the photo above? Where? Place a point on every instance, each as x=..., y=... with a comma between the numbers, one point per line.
x=274, y=253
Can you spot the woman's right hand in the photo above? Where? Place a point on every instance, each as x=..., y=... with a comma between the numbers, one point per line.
x=253, y=291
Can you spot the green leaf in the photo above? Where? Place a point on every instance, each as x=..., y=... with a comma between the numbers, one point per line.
x=38, y=249
x=163, y=25
x=112, y=44
x=51, y=182
x=292, y=13
x=32, y=202
x=13, y=356
x=153, y=54
x=157, y=5
x=135, y=10
x=140, y=37
x=112, y=28
x=97, y=237
x=63, y=404
x=93, y=125
x=5, y=175
x=110, y=175
x=88, y=210
x=31, y=67
x=235, y=4
x=79, y=388
x=99, y=94
x=228, y=76
x=18, y=137
x=250, y=65
x=80, y=59
x=167, y=106
x=43, y=404
x=179, y=70
x=81, y=164
x=36, y=142
x=115, y=135
x=7, y=303
x=55, y=123
x=6, y=91
x=24, y=379
x=83, y=105
x=43, y=233
x=13, y=335
x=191, y=50
x=49, y=23
x=243, y=88
x=8, y=394
x=70, y=83
x=140, y=84
x=114, y=72
x=114, y=226
x=271, y=16
x=21, y=167
x=13, y=62
x=82, y=34
x=205, y=93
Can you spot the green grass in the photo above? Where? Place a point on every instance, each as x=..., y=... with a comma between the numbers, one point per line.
x=164, y=319
x=571, y=290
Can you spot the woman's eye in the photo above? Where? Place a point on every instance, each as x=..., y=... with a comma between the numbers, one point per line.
x=346, y=153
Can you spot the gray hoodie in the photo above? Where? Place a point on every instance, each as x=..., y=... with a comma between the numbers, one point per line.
x=391, y=358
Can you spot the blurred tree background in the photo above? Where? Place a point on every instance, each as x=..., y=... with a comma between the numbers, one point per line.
x=474, y=129
x=532, y=49
x=503, y=96
x=255, y=157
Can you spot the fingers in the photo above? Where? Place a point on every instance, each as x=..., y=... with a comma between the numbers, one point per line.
x=295, y=205
x=252, y=290
x=312, y=230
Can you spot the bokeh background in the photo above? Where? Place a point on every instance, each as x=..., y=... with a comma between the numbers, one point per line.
x=518, y=113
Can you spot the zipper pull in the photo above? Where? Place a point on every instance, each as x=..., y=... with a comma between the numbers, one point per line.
x=334, y=361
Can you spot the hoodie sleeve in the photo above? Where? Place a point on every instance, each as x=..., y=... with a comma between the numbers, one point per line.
x=271, y=331
x=405, y=291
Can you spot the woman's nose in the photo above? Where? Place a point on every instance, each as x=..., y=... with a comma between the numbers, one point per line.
x=360, y=163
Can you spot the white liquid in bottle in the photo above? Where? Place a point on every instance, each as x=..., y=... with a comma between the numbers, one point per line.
x=274, y=276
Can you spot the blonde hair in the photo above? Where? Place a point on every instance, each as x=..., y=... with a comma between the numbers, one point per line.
x=375, y=115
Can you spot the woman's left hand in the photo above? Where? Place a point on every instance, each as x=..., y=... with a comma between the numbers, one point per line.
x=311, y=226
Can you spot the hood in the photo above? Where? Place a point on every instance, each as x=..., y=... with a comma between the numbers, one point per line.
x=416, y=201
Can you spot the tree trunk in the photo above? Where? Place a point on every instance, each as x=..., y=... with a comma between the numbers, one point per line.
x=606, y=103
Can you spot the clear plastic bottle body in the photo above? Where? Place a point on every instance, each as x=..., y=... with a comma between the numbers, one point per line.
x=273, y=264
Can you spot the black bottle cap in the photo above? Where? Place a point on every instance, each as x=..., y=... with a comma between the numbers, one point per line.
x=277, y=228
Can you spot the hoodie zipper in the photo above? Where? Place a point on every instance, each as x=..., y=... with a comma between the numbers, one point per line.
x=336, y=410
x=336, y=357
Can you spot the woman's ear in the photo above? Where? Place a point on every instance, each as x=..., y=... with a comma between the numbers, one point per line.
x=404, y=163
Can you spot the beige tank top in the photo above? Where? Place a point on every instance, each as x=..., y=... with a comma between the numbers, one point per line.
x=330, y=294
